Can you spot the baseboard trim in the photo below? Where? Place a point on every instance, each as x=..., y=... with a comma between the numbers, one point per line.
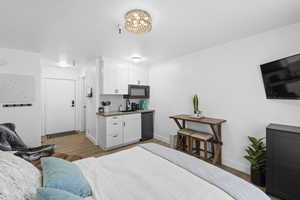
x=162, y=138
x=91, y=138
x=235, y=165
x=62, y=134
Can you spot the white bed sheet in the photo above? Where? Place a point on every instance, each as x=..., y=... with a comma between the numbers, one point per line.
x=136, y=174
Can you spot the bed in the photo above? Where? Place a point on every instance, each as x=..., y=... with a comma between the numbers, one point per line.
x=151, y=171
x=147, y=172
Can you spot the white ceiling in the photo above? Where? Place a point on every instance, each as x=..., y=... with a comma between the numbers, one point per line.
x=85, y=29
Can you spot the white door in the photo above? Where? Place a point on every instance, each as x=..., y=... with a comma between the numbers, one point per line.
x=132, y=130
x=59, y=105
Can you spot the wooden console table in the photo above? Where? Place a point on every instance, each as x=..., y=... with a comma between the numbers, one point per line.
x=215, y=125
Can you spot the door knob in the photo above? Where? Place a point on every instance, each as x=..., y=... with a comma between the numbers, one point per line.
x=73, y=103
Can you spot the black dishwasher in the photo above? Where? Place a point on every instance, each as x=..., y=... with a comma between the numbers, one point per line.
x=147, y=125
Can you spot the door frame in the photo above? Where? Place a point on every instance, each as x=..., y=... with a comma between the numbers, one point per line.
x=82, y=109
x=44, y=110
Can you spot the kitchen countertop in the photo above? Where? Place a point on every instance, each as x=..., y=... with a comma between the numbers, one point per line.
x=116, y=113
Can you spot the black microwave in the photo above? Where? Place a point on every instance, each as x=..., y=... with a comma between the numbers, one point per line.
x=138, y=92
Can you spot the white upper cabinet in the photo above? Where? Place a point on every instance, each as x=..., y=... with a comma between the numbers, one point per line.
x=114, y=77
x=138, y=75
x=122, y=76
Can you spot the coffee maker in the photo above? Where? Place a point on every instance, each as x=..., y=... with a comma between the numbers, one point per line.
x=134, y=106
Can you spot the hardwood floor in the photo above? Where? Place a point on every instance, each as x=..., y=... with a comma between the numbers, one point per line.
x=78, y=144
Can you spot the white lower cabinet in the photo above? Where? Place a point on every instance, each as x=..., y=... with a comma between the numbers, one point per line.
x=114, y=140
x=132, y=128
x=116, y=131
x=114, y=135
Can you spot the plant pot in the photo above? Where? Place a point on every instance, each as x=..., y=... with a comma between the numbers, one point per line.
x=258, y=177
x=198, y=115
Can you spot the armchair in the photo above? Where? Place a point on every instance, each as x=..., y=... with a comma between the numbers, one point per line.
x=11, y=141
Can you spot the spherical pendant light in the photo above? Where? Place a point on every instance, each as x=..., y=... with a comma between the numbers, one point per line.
x=138, y=21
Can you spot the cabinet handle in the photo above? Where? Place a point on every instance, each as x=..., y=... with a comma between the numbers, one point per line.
x=115, y=123
x=115, y=136
x=115, y=117
x=116, y=91
x=138, y=82
x=124, y=124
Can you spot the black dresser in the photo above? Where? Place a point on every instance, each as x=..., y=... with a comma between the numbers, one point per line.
x=283, y=161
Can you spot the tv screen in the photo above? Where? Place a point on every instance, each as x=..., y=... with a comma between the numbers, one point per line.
x=282, y=78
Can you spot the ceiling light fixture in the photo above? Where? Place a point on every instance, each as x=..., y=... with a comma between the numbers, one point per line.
x=138, y=21
x=64, y=64
x=136, y=58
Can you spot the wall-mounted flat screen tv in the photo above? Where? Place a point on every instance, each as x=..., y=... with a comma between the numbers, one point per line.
x=282, y=78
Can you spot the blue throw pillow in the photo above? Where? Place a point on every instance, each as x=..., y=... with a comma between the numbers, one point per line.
x=64, y=175
x=55, y=194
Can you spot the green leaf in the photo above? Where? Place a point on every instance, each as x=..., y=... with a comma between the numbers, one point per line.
x=196, y=103
x=256, y=152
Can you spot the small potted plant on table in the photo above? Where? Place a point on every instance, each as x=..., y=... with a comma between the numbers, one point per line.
x=256, y=155
x=197, y=112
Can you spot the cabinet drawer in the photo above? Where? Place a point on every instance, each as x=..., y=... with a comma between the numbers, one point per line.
x=132, y=117
x=113, y=118
x=114, y=140
x=114, y=125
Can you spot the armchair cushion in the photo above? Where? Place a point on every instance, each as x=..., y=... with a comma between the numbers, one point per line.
x=4, y=145
x=9, y=139
x=11, y=126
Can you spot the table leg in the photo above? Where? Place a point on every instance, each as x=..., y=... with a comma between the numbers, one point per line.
x=198, y=148
x=179, y=125
x=183, y=140
x=190, y=146
x=217, y=160
x=178, y=139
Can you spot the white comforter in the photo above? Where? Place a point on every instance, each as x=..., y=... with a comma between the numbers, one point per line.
x=137, y=174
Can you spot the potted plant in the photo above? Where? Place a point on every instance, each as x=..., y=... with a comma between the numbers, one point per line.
x=197, y=112
x=256, y=155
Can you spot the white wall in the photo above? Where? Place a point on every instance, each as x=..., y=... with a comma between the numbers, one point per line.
x=27, y=119
x=54, y=72
x=229, y=83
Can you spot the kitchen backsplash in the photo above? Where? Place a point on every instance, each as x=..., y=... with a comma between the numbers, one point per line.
x=116, y=101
